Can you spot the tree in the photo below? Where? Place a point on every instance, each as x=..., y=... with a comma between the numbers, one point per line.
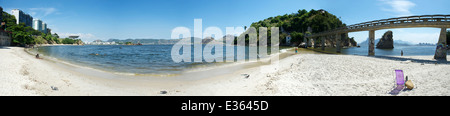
x=297, y=23
x=296, y=37
x=302, y=12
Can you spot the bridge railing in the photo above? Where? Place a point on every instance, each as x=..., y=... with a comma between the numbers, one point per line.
x=394, y=21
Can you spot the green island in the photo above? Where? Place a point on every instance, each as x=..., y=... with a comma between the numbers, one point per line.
x=296, y=25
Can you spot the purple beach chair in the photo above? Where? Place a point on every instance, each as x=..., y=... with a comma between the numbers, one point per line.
x=399, y=77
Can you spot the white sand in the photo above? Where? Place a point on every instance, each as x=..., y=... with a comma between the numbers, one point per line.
x=305, y=74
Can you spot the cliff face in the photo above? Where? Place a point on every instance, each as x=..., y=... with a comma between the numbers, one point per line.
x=386, y=42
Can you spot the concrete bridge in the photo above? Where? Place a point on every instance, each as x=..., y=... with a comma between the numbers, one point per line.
x=433, y=21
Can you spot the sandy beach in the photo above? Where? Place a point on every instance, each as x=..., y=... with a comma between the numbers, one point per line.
x=22, y=74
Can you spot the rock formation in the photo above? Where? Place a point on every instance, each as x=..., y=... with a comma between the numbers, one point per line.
x=386, y=42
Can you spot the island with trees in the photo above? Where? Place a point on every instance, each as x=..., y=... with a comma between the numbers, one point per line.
x=296, y=25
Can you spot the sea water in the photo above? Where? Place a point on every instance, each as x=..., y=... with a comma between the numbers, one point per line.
x=144, y=59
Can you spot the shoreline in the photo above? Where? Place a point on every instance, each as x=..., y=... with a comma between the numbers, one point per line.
x=193, y=69
x=301, y=74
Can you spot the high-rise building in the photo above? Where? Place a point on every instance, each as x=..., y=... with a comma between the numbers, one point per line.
x=44, y=27
x=40, y=26
x=37, y=25
x=21, y=17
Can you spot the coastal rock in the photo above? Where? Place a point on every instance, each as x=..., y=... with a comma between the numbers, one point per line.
x=386, y=42
x=348, y=42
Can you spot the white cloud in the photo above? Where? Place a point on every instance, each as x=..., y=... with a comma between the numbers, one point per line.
x=398, y=7
x=42, y=12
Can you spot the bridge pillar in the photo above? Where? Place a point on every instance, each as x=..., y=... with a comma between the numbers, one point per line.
x=322, y=39
x=338, y=43
x=372, y=43
x=305, y=39
x=441, y=50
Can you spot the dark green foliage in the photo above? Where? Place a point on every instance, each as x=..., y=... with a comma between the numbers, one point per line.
x=296, y=35
x=69, y=41
x=448, y=37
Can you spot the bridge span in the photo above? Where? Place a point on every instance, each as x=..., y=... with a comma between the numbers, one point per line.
x=433, y=21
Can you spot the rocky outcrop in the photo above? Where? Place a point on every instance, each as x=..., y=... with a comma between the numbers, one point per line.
x=344, y=43
x=78, y=42
x=386, y=42
x=349, y=42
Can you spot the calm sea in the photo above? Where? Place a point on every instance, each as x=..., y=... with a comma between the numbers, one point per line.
x=146, y=59
x=156, y=59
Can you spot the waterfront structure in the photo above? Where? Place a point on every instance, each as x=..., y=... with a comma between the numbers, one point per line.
x=435, y=21
x=74, y=36
x=5, y=38
x=21, y=17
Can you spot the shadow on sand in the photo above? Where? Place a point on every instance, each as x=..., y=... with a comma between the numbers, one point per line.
x=412, y=60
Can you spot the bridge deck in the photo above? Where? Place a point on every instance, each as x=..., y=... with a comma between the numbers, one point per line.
x=435, y=21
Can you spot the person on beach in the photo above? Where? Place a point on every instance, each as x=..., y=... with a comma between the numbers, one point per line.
x=38, y=57
x=401, y=53
x=296, y=50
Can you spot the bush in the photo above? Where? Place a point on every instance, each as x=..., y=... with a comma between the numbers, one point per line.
x=39, y=40
x=68, y=41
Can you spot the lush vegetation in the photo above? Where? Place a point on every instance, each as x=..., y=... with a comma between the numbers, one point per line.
x=128, y=43
x=25, y=35
x=296, y=24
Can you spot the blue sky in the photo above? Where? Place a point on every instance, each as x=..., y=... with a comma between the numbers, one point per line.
x=123, y=19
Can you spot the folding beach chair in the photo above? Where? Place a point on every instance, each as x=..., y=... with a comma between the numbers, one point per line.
x=400, y=82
